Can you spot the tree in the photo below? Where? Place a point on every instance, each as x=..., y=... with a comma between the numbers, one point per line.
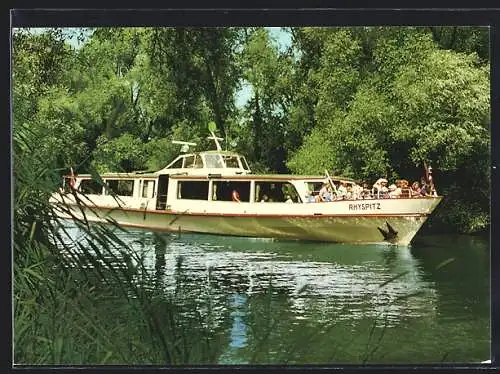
x=264, y=69
x=424, y=104
x=41, y=63
x=200, y=63
x=463, y=39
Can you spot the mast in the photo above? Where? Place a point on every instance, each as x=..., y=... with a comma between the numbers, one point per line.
x=216, y=140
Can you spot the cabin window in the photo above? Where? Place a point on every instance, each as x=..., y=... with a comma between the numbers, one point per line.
x=213, y=161
x=121, y=187
x=244, y=163
x=90, y=186
x=188, y=161
x=198, y=163
x=148, y=188
x=193, y=190
x=231, y=162
x=275, y=192
x=177, y=164
x=223, y=190
x=314, y=187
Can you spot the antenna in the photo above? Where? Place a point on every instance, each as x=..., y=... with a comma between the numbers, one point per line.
x=216, y=140
x=185, y=145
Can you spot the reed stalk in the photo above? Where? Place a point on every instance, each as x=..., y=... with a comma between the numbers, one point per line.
x=73, y=304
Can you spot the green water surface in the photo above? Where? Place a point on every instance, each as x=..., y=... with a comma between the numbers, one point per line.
x=290, y=302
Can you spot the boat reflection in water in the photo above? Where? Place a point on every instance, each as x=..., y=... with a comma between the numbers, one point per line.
x=250, y=285
x=320, y=280
x=265, y=291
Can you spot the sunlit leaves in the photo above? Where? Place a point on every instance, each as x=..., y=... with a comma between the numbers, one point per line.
x=314, y=162
x=338, y=75
x=386, y=99
x=446, y=97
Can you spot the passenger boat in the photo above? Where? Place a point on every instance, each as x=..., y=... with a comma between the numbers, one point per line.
x=215, y=192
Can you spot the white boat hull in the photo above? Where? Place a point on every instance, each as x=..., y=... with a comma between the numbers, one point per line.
x=214, y=192
x=332, y=222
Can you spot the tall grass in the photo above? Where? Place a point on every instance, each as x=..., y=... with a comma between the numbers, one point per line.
x=73, y=304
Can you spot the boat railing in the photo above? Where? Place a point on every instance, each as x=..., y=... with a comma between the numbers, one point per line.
x=406, y=193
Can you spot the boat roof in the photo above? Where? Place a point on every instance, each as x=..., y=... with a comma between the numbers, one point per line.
x=214, y=151
x=277, y=177
x=134, y=174
x=210, y=170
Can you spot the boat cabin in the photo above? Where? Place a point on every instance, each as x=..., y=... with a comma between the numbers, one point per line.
x=154, y=191
x=210, y=176
x=250, y=188
x=209, y=162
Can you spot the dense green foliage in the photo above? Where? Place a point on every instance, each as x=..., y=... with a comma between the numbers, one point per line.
x=403, y=100
x=363, y=102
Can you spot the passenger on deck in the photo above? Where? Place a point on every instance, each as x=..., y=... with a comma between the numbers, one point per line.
x=394, y=191
x=365, y=192
x=432, y=189
x=356, y=192
x=342, y=191
x=424, y=190
x=429, y=176
x=235, y=196
x=349, y=194
x=428, y=190
x=405, y=188
x=380, y=187
x=309, y=198
x=325, y=193
x=415, y=189
x=264, y=199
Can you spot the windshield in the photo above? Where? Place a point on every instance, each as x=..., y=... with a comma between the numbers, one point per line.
x=213, y=161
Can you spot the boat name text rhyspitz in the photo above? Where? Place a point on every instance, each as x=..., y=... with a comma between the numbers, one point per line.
x=371, y=206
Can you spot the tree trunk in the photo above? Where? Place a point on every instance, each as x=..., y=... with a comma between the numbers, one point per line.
x=213, y=96
x=257, y=128
x=146, y=136
x=453, y=38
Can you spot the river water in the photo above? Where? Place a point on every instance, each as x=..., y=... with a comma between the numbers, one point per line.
x=291, y=302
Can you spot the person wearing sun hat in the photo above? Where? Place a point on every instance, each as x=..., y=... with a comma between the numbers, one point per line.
x=380, y=187
x=394, y=191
